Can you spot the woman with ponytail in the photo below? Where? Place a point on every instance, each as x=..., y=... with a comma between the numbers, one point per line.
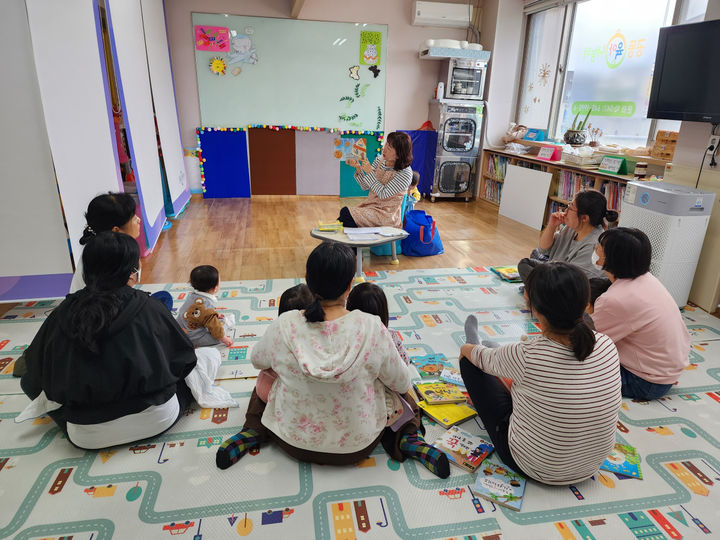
x=109, y=363
x=328, y=402
x=557, y=424
x=107, y=212
x=570, y=236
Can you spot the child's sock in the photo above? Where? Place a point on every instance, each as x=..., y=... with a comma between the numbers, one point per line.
x=235, y=447
x=471, y=330
x=490, y=343
x=433, y=459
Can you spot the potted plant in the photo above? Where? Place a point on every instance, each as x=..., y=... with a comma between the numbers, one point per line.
x=595, y=134
x=576, y=135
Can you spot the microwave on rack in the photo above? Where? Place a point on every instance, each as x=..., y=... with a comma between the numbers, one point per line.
x=465, y=78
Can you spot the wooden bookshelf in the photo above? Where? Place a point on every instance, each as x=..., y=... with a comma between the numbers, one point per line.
x=567, y=179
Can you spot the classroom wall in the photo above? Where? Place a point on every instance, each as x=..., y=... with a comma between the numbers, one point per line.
x=410, y=81
x=692, y=142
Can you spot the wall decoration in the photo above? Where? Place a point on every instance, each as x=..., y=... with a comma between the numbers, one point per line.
x=370, y=45
x=348, y=100
x=354, y=72
x=212, y=38
x=375, y=71
x=242, y=49
x=544, y=74
x=217, y=65
x=297, y=80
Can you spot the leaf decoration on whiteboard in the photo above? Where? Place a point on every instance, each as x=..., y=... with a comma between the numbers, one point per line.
x=348, y=99
x=354, y=73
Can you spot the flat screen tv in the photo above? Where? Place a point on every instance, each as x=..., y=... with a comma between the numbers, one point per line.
x=686, y=80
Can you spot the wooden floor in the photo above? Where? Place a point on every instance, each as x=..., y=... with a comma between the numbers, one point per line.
x=269, y=237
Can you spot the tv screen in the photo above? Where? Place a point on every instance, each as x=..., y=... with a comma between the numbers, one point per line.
x=686, y=79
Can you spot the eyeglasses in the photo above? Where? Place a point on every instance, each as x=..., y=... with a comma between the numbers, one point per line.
x=571, y=208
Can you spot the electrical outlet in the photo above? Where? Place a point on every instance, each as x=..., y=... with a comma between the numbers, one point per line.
x=713, y=144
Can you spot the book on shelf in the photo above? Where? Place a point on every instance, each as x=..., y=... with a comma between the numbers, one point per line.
x=497, y=166
x=439, y=392
x=508, y=273
x=447, y=414
x=463, y=449
x=493, y=190
x=623, y=460
x=498, y=483
x=452, y=375
x=430, y=365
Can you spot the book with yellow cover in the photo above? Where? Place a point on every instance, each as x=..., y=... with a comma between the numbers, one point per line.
x=508, y=273
x=447, y=414
x=330, y=226
x=439, y=392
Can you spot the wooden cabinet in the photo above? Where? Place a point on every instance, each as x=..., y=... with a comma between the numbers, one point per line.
x=567, y=180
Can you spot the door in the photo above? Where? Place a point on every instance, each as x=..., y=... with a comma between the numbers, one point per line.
x=272, y=161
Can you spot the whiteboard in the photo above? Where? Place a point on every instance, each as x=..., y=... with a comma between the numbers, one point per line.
x=75, y=103
x=128, y=42
x=31, y=223
x=524, y=195
x=163, y=93
x=291, y=72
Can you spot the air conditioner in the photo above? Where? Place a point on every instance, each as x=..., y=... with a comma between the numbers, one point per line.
x=442, y=14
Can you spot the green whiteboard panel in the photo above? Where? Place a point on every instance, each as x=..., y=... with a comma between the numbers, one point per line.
x=290, y=73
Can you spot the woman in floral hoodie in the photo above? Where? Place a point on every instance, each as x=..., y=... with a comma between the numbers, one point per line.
x=333, y=366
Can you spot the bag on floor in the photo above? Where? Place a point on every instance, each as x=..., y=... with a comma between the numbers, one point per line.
x=423, y=237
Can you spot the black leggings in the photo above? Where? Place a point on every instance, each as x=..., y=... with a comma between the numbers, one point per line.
x=494, y=407
x=346, y=218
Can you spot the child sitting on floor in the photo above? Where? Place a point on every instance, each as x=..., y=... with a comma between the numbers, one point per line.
x=298, y=297
x=198, y=317
x=371, y=299
x=413, y=195
x=558, y=423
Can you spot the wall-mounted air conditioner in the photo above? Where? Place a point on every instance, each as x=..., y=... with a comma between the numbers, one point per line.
x=442, y=14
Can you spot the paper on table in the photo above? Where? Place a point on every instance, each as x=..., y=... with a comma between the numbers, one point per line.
x=362, y=230
x=360, y=237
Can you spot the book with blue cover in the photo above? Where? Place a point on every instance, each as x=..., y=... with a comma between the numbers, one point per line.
x=498, y=483
x=623, y=460
x=430, y=365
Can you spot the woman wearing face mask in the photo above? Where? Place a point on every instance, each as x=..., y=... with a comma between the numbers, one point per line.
x=388, y=179
x=571, y=236
x=640, y=316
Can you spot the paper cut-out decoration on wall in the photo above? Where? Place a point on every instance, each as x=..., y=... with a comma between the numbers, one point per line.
x=370, y=46
x=375, y=71
x=241, y=49
x=348, y=100
x=236, y=71
x=217, y=65
x=354, y=73
x=212, y=38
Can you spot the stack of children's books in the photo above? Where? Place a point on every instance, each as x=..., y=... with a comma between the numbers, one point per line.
x=508, y=273
x=441, y=395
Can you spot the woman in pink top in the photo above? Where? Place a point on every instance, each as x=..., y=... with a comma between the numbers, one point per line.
x=639, y=315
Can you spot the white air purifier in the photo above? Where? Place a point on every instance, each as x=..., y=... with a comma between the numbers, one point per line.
x=675, y=219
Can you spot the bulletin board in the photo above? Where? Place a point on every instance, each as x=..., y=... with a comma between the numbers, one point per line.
x=258, y=70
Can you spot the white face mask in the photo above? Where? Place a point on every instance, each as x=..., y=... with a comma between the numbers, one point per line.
x=138, y=272
x=594, y=258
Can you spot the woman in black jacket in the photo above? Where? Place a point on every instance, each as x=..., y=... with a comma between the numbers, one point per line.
x=108, y=364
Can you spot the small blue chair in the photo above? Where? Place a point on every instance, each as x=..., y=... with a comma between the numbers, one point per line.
x=386, y=249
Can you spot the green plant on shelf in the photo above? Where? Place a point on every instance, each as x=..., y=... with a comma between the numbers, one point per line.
x=581, y=126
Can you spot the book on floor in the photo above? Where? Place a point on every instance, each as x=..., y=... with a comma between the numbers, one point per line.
x=448, y=414
x=498, y=483
x=430, y=365
x=463, y=449
x=452, y=375
x=508, y=273
x=623, y=460
x=439, y=392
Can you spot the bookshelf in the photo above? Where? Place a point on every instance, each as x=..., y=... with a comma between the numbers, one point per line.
x=566, y=181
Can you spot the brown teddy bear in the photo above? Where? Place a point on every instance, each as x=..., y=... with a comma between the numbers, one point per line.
x=198, y=316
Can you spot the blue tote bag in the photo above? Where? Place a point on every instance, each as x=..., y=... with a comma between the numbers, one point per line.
x=423, y=237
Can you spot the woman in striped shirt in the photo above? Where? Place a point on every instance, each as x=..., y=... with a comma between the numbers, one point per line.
x=558, y=423
x=388, y=179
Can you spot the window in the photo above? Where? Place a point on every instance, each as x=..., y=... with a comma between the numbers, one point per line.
x=597, y=55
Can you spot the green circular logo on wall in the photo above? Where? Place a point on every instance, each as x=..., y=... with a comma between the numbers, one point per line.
x=615, y=50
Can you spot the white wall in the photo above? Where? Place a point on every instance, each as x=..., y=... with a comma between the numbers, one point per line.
x=75, y=103
x=410, y=82
x=692, y=142
x=31, y=223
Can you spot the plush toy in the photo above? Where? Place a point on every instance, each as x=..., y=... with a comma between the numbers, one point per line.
x=198, y=316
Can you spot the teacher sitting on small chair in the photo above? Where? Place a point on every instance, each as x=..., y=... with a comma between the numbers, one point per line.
x=388, y=179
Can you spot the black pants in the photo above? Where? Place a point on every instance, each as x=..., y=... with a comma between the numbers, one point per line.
x=494, y=407
x=346, y=217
